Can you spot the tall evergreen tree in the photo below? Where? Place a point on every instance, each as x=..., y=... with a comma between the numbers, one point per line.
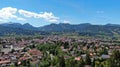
x=61, y=61
x=88, y=60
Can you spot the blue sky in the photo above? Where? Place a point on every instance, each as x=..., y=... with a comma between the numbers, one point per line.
x=44, y=12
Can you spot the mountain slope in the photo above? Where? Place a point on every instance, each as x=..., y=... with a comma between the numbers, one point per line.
x=19, y=29
x=81, y=29
x=26, y=26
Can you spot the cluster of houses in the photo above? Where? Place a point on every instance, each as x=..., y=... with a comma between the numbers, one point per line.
x=13, y=51
x=96, y=48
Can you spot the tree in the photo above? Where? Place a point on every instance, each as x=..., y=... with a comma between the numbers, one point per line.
x=61, y=61
x=88, y=60
x=81, y=63
x=93, y=63
x=115, y=59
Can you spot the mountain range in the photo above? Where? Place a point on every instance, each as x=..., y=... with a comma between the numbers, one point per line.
x=81, y=29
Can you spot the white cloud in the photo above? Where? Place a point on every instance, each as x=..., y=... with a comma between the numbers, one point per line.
x=9, y=13
x=49, y=17
x=27, y=13
x=44, y=15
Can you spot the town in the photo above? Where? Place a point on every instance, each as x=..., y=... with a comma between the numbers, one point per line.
x=59, y=33
x=58, y=51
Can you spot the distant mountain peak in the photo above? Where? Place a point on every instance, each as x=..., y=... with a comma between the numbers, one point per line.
x=63, y=23
x=85, y=24
x=27, y=24
x=10, y=23
x=109, y=24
